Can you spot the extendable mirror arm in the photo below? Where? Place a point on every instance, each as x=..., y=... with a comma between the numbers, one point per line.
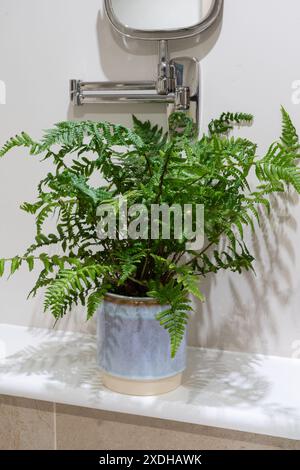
x=177, y=86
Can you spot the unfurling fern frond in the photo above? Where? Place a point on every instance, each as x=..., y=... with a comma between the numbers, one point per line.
x=182, y=127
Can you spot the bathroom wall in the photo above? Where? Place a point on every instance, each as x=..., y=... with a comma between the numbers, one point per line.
x=248, y=61
x=33, y=425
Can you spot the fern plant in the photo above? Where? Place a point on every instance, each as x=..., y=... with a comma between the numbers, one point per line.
x=147, y=166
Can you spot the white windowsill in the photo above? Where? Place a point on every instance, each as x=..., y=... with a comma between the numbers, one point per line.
x=241, y=392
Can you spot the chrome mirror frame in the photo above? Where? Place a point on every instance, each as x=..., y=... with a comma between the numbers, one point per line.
x=159, y=35
x=177, y=83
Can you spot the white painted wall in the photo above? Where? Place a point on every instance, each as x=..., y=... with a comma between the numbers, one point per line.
x=248, y=63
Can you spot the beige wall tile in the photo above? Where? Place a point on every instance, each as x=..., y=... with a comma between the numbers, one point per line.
x=26, y=424
x=83, y=429
x=29, y=424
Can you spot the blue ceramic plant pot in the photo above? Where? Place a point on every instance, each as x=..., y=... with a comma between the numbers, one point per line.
x=134, y=350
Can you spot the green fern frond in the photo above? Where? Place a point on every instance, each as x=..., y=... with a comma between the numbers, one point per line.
x=31, y=208
x=93, y=302
x=15, y=264
x=289, y=137
x=182, y=127
x=68, y=285
x=279, y=173
x=236, y=260
x=2, y=267
x=174, y=318
x=22, y=140
x=190, y=283
x=227, y=121
x=43, y=215
x=150, y=135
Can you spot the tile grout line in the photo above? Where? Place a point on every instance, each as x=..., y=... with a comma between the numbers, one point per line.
x=54, y=426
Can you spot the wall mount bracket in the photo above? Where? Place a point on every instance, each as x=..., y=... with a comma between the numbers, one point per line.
x=177, y=85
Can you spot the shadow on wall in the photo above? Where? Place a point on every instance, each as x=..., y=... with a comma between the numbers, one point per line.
x=229, y=321
x=126, y=59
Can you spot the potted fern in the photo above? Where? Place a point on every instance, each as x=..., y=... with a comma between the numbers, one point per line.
x=140, y=286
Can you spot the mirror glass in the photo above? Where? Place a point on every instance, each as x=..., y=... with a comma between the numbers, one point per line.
x=166, y=15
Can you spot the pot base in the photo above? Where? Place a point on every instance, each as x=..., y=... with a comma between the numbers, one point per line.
x=141, y=388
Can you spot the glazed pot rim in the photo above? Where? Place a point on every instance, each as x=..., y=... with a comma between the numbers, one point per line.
x=127, y=300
